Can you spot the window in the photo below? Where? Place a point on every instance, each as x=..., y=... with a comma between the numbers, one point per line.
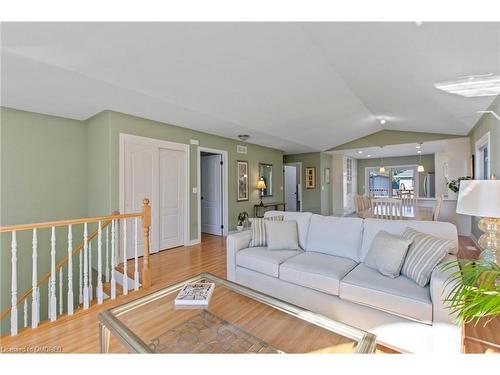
x=395, y=182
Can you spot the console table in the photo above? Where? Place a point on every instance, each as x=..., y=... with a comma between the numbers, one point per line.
x=260, y=210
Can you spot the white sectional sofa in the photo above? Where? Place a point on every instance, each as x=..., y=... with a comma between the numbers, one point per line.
x=327, y=276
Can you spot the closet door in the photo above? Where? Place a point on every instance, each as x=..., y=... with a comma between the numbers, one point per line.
x=141, y=181
x=171, y=198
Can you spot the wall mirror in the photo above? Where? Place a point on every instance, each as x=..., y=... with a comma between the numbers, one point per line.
x=266, y=173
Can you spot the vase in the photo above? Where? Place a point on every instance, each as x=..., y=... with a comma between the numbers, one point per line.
x=239, y=228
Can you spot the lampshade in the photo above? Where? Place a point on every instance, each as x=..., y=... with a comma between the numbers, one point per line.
x=261, y=184
x=479, y=198
x=420, y=168
x=381, y=169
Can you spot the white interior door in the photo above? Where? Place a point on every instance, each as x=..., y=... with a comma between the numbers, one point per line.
x=291, y=187
x=171, y=193
x=140, y=181
x=211, y=194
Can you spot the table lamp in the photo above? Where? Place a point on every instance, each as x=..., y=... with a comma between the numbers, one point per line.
x=482, y=198
x=261, y=184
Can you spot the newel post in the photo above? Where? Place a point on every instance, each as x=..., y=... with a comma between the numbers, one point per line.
x=146, y=224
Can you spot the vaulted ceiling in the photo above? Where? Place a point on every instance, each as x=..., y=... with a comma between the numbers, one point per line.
x=298, y=87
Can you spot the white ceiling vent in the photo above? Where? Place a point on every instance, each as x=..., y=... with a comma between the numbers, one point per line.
x=241, y=149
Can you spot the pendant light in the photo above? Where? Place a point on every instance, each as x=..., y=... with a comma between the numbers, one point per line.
x=420, y=167
x=382, y=168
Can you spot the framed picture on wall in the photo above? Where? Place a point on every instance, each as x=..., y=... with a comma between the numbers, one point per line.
x=310, y=177
x=327, y=175
x=242, y=183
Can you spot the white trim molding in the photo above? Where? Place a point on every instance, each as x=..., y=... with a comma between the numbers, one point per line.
x=225, y=189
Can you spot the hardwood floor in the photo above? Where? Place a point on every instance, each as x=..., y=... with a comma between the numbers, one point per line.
x=79, y=333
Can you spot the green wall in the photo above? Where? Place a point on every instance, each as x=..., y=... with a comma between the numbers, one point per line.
x=392, y=137
x=43, y=178
x=488, y=123
x=314, y=200
x=122, y=123
x=427, y=162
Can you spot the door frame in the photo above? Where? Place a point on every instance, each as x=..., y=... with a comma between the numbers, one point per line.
x=298, y=165
x=479, y=145
x=224, y=186
x=159, y=143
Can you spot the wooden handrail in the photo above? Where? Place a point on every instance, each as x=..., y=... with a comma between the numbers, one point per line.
x=61, y=223
x=59, y=264
x=145, y=215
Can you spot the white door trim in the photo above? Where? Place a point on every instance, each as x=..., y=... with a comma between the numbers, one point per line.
x=478, y=160
x=129, y=138
x=224, y=154
x=297, y=164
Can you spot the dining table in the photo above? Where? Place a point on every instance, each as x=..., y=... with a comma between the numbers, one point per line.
x=408, y=212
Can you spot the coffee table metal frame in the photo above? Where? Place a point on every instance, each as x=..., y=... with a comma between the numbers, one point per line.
x=110, y=324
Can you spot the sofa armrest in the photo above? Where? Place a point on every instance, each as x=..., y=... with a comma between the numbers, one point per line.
x=440, y=288
x=234, y=243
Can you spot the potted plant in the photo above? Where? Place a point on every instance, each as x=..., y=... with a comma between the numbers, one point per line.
x=242, y=219
x=454, y=185
x=476, y=290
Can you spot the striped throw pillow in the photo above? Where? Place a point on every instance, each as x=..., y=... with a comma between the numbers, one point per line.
x=425, y=252
x=259, y=230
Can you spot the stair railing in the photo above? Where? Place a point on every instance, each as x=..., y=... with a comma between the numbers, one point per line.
x=110, y=225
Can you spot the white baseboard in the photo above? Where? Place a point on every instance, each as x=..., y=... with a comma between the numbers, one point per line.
x=196, y=241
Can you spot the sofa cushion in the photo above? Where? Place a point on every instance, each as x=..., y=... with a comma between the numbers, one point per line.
x=282, y=235
x=316, y=271
x=425, y=253
x=339, y=236
x=400, y=296
x=302, y=219
x=439, y=229
x=387, y=254
x=263, y=260
x=259, y=235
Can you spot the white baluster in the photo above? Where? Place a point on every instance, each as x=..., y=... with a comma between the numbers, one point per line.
x=80, y=280
x=13, y=310
x=125, y=274
x=61, y=304
x=48, y=298
x=85, y=268
x=100, y=296
x=91, y=288
x=53, y=298
x=107, y=254
x=113, y=281
x=34, y=280
x=70, y=270
x=25, y=313
x=136, y=264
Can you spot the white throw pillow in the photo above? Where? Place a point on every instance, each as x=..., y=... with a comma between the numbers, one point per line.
x=259, y=230
x=387, y=254
x=282, y=235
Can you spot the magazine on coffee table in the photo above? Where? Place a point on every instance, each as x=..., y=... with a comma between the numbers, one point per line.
x=195, y=294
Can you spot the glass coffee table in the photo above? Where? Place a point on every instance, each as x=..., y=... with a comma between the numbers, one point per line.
x=237, y=320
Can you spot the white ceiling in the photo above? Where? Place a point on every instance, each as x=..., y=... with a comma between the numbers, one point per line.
x=297, y=87
x=406, y=149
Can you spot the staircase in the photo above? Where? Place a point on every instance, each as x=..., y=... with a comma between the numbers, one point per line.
x=68, y=290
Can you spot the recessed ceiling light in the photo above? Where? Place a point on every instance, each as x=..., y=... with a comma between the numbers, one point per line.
x=360, y=152
x=417, y=146
x=418, y=23
x=472, y=86
x=368, y=156
x=419, y=151
x=382, y=121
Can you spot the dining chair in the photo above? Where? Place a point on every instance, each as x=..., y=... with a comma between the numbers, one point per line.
x=358, y=203
x=409, y=200
x=387, y=209
x=437, y=210
x=367, y=202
